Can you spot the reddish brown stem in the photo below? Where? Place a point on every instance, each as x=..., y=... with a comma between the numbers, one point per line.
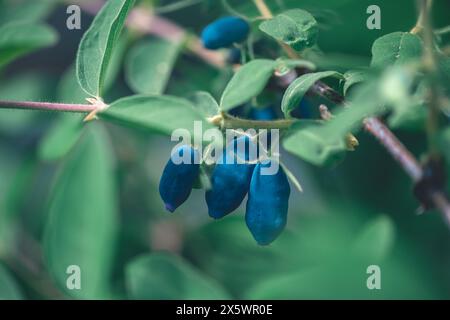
x=47, y=106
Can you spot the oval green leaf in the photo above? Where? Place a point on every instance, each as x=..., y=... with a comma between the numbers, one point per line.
x=161, y=114
x=297, y=89
x=97, y=45
x=247, y=82
x=296, y=28
x=83, y=217
x=149, y=65
x=396, y=49
x=20, y=38
x=205, y=103
x=307, y=140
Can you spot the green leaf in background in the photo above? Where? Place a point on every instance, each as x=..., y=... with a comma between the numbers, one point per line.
x=97, y=45
x=32, y=86
x=247, y=83
x=307, y=141
x=163, y=276
x=149, y=65
x=346, y=279
x=116, y=61
x=20, y=38
x=66, y=131
x=61, y=138
x=13, y=200
x=9, y=289
x=297, y=28
x=325, y=144
x=83, y=217
x=161, y=114
x=366, y=102
x=376, y=240
x=297, y=89
x=396, y=48
x=406, y=99
x=353, y=77
x=205, y=103
x=25, y=10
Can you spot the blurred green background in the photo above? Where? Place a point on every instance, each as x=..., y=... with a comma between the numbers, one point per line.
x=358, y=213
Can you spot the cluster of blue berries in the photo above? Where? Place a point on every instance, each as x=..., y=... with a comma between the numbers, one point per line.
x=235, y=176
x=238, y=173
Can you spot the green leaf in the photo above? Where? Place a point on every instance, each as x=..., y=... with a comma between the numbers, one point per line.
x=396, y=49
x=297, y=28
x=20, y=38
x=97, y=45
x=307, y=141
x=297, y=89
x=247, y=83
x=116, y=61
x=9, y=289
x=161, y=114
x=353, y=77
x=29, y=86
x=25, y=10
x=83, y=217
x=366, y=102
x=149, y=65
x=205, y=103
x=375, y=240
x=167, y=277
x=61, y=138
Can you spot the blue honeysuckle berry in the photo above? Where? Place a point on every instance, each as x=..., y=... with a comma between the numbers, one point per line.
x=303, y=111
x=267, y=204
x=224, y=32
x=234, y=56
x=230, y=181
x=177, y=179
x=263, y=114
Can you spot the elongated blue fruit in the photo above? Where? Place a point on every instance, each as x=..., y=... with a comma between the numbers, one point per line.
x=230, y=181
x=177, y=179
x=224, y=32
x=267, y=204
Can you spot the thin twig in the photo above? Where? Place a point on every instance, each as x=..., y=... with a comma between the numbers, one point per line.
x=431, y=71
x=48, y=106
x=395, y=147
x=418, y=28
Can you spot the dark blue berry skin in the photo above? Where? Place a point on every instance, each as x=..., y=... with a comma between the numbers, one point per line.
x=263, y=114
x=267, y=204
x=230, y=182
x=234, y=56
x=177, y=179
x=224, y=32
x=303, y=111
